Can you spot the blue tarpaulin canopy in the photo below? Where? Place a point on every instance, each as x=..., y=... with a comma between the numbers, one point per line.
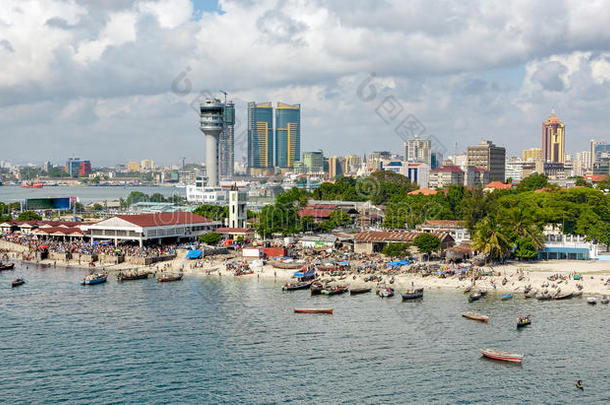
x=397, y=263
x=308, y=273
x=194, y=254
x=344, y=263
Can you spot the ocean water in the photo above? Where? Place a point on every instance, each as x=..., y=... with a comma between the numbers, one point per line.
x=85, y=194
x=229, y=340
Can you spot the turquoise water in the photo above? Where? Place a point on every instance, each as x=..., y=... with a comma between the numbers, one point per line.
x=210, y=340
x=84, y=193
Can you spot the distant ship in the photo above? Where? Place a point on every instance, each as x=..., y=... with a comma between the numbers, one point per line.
x=31, y=185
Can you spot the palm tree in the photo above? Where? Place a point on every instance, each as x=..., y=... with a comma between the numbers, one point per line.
x=490, y=239
x=524, y=227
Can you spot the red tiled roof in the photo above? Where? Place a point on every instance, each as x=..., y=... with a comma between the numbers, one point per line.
x=498, y=185
x=234, y=230
x=394, y=236
x=164, y=219
x=316, y=213
x=445, y=222
x=424, y=191
x=596, y=178
x=447, y=169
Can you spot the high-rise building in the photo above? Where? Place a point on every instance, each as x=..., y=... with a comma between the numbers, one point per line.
x=553, y=140
x=133, y=166
x=599, y=150
x=287, y=134
x=74, y=168
x=581, y=163
x=147, y=165
x=531, y=154
x=260, y=136
x=418, y=150
x=226, y=143
x=352, y=164
x=212, y=123
x=336, y=166
x=313, y=161
x=488, y=156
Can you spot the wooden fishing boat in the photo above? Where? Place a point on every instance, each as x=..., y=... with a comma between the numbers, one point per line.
x=354, y=291
x=543, y=297
x=475, y=296
x=286, y=266
x=524, y=321
x=17, y=282
x=296, y=286
x=529, y=294
x=563, y=296
x=386, y=292
x=326, y=267
x=506, y=297
x=500, y=355
x=475, y=316
x=167, y=278
x=591, y=300
x=316, y=288
x=7, y=266
x=483, y=292
x=413, y=294
x=605, y=299
x=131, y=276
x=340, y=289
x=93, y=279
x=313, y=311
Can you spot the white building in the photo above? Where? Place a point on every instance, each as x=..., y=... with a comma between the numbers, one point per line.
x=416, y=172
x=200, y=193
x=238, y=215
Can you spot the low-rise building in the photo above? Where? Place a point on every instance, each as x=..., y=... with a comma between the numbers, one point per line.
x=445, y=176
x=456, y=228
x=374, y=241
x=558, y=245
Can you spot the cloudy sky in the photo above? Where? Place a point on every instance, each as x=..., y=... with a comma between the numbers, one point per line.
x=115, y=80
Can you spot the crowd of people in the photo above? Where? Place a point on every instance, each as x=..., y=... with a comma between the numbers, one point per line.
x=34, y=243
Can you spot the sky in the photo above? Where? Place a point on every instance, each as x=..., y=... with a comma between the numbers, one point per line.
x=116, y=80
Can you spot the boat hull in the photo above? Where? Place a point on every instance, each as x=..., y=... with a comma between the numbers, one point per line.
x=131, y=278
x=169, y=279
x=356, y=291
x=17, y=283
x=502, y=356
x=100, y=280
x=476, y=317
x=313, y=311
x=413, y=295
x=293, y=287
x=8, y=266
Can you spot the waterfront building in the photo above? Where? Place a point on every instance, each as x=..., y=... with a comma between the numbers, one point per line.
x=531, y=154
x=200, y=193
x=238, y=216
x=369, y=242
x=553, y=140
x=76, y=167
x=488, y=156
x=287, y=134
x=157, y=228
x=418, y=150
x=133, y=166
x=147, y=165
x=558, y=245
x=226, y=143
x=260, y=137
x=456, y=228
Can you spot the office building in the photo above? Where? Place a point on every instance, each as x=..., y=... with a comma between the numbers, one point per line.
x=133, y=166
x=260, y=137
x=488, y=156
x=553, y=140
x=147, y=165
x=287, y=134
x=313, y=162
x=418, y=150
x=76, y=167
x=445, y=176
x=352, y=164
x=531, y=154
x=336, y=166
x=226, y=143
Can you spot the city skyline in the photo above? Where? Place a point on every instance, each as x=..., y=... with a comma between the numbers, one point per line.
x=74, y=91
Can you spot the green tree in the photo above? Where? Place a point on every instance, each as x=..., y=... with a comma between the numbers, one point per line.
x=396, y=249
x=532, y=182
x=28, y=216
x=211, y=211
x=526, y=249
x=427, y=243
x=135, y=197
x=210, y=238
x=157, y=197
x=97, y=207
x=490, y=239
x=340, y=218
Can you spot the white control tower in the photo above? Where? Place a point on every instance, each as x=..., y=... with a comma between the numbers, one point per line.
x=212, y=122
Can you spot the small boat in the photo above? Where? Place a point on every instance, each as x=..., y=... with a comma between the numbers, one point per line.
x=313, y=311
x=354, y=291
x=296, y=286
x=413, y=294
x=17, y=282
x=97, y=278
x=605, y=299
x=577, y=294
x=524, y=321
x=475, y=296
x=483, y=292
x=579, y=385
x=167, y=278
x=316, y=288
x=500, y=355
x=475, y=316
x=286, y=265
x=592, y=300
x=467, y=290
x=506, y=297
x=386, y=292
x=543, y=297
x=340, y=289
x=7, y=266
x=563, y=296
x=131, y=276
